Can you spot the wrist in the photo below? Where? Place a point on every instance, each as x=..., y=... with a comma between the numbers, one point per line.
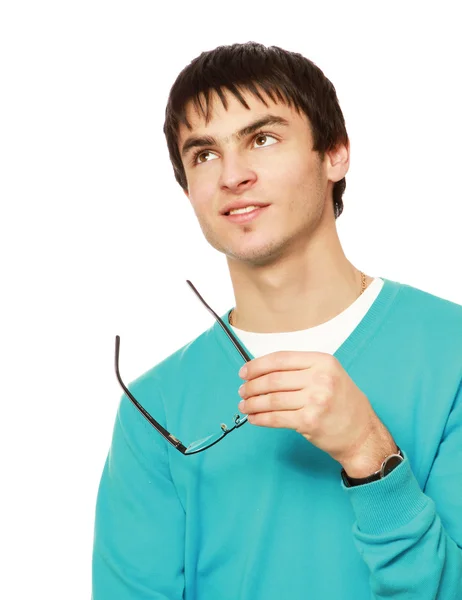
x=370, y=459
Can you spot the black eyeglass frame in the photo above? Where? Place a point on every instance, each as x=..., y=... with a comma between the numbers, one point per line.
x=175, y=442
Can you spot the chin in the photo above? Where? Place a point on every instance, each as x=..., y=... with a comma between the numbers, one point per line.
x=256, y=256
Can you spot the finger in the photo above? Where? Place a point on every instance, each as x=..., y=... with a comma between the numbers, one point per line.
x=277, y=381
x=282, y=401
x=283, y=360
x=277, y=419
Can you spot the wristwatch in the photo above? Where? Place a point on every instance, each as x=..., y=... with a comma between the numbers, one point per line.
x=390, y=463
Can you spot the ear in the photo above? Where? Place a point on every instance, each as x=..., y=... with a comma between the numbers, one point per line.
x=338, y=162
x=186, y=193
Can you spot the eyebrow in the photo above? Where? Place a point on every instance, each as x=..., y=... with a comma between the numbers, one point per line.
x=207, y=140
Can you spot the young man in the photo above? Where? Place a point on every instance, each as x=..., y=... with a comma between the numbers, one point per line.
x=347, y=481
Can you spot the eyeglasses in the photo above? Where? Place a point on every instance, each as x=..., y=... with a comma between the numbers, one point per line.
x=211, y=440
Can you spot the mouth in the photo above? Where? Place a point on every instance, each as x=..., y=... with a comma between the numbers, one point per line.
x=245, y=217
x=249, y=205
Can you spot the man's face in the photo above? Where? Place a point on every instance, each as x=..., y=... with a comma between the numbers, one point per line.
x=278, y=168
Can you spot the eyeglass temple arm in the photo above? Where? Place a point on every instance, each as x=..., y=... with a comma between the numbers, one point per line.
x=229, y=333
x=166, y=434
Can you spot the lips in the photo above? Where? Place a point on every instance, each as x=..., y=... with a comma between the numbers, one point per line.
x=227, y=210
x=246, y=217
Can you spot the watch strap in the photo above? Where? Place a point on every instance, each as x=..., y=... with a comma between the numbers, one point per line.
x=390, y=463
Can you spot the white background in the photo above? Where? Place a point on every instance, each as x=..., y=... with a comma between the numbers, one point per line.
x=97, y=238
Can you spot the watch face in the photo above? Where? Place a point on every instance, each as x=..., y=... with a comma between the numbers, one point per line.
x=392, y=462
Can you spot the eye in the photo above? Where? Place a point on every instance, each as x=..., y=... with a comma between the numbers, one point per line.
x=260, y=134
x=200, y=153
x=264, y=135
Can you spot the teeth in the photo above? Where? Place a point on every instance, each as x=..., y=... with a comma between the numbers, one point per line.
x=237, y=211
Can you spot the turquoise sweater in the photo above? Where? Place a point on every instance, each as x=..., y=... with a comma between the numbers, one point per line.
x=264, y=514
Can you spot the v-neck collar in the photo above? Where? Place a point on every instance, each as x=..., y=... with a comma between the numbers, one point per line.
x=362, y=333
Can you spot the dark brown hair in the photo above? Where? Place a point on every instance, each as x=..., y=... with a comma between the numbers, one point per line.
x=293, y=78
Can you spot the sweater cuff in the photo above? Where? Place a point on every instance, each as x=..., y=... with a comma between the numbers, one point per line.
x=387, y=503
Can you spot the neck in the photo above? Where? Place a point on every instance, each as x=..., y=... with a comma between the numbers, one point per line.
x=364, y=283
x=294, y=294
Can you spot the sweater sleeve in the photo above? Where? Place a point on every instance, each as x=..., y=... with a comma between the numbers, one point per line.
x=411, y=539
x=138, y=547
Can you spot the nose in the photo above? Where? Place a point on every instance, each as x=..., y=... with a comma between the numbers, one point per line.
x=236, y=176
